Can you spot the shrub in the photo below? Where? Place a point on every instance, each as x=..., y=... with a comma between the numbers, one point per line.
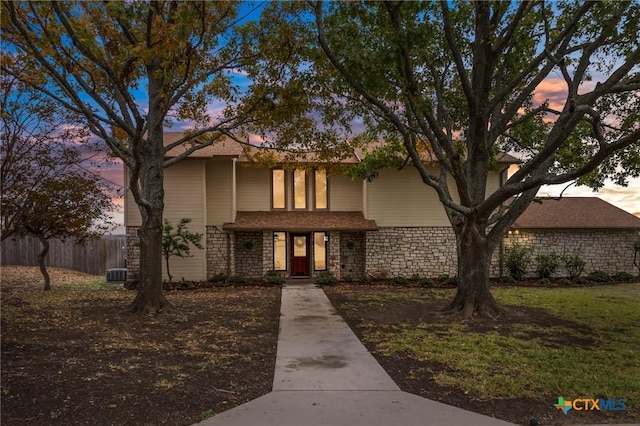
x=573, y=262
x=600, y=277
x=544, y=281
x=363, y=279
x=507, y=279
x=623, y=276
x=452, y=281
x=347, y=278
x=218, y=278
x=547, y=264
x=425, y=282
x=565, y=282
x=399, y=280
x=581, y=280
x=273, y=278
x=326, y=278
x=237, y=280
x=517, y=258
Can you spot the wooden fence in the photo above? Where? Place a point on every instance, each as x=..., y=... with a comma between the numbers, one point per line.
x=95, y=257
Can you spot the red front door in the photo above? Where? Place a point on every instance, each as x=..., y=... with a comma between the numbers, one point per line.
x=300, y=255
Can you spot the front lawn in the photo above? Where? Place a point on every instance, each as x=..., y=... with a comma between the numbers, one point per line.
x=557, y=342
x=71, y=356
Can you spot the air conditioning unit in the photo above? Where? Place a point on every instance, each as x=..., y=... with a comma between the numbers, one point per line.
x=117, y=274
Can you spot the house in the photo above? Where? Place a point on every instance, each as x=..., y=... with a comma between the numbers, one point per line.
x=303, y=222
x=604, y=234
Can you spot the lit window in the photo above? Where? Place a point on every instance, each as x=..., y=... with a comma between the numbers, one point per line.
x=278, y=197
x=320, y=251
x=299, y=189
x=321, y=189
x=279, y=251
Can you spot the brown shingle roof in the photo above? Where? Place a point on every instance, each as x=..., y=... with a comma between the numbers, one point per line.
x=574, y=213
x=303, y=221
x=230, y=148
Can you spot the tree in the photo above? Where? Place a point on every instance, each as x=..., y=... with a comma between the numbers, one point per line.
x=177, y=242
x=96, y=58
x=46, y=189
x=459, y=83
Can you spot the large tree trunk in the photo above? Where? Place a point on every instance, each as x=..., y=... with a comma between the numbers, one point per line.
x=474, y=260
x=150, y=297
x=41, y=261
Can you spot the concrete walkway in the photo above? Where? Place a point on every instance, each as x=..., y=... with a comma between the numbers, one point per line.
x=326, y=377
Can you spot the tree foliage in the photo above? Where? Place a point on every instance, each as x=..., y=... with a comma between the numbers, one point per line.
x=178, y=241
x=47, y=189
x=458, y=83
x=130, y=69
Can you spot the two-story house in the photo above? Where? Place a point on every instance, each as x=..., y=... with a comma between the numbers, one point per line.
x=301, y=222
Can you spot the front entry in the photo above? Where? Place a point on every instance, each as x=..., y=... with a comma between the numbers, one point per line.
x=300, y=255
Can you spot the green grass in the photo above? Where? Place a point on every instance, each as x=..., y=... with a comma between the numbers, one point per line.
x=592, y=350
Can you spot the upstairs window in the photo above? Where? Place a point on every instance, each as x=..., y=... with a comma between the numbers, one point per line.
x=321, y=189
x=278, y=198
x=299, y=189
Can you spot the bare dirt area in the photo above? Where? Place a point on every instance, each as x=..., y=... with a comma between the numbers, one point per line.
x=72, y=356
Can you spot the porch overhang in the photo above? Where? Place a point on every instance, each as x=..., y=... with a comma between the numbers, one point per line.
x=301, y=221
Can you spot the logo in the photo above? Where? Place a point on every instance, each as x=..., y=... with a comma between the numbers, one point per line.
x=585, y=404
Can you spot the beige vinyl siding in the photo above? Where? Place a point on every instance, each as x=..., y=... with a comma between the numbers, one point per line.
x=253, y=188
x=400, y=198
x=219, y=191
x=493, y=182
x=345, y=194
x=184, y=186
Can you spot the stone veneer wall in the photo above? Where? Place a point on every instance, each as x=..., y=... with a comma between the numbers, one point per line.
x=610, y=251
x=405, y=251
x=249, y=263
x=333, y=265
x=352, y=260
x=133, y=252
x=218, y=251
x=267, y=251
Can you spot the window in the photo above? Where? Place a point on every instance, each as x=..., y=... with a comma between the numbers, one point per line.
x=278, y=189
x=279, y=251
x=321, y=189
x=299, y=189
x=320, y=251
